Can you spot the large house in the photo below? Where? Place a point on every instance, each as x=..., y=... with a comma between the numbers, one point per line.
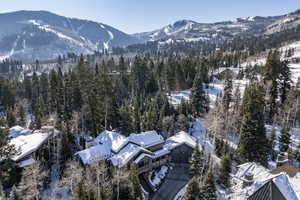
x=148, y=149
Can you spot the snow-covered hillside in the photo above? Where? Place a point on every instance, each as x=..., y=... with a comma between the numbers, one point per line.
x=30, y=35
x=285, y=22
x=213, y=91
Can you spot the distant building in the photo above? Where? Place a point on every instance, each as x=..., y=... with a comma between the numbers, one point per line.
x=294, y=60
x=28, y=142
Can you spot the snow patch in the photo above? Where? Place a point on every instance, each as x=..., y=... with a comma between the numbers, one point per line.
x=159, y=176
x=111, y=35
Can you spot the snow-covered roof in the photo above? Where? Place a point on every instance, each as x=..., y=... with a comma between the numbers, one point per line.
x=113, y=140
x=16, y=131
x=284, y=185
x=289, y=187
x=118, y=148
x=146, y=139
x=125, y=155
x=179, y=139
x=27, y=162
x=252, y=168
x=27, y=144
x=94, y=154
x=155, y=155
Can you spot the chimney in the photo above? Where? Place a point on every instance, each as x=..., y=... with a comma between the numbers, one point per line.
x=248, y=179
x=282, y=159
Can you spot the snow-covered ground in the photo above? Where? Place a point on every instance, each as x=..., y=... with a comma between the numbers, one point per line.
x=295, y=136
x=54, y=190
x=213, y=90
x=255, y=61
x=159, y=176
x=295, y=71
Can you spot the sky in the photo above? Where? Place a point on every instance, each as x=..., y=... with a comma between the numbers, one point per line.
x=132, y=16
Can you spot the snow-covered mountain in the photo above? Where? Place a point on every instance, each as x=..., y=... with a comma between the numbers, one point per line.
x=188, y=30
x=285, y=22
x=29, y=35
x=193, y=31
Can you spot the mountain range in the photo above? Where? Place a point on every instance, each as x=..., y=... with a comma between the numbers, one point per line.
x=30, y=35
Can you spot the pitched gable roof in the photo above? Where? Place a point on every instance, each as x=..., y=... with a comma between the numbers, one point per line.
x=113, y=140
x=269, y=191
x=146, y=139
x=277, y=188
x=127, y=154
x=288, y=186
x=94, y=154
x=179, y=139
x=27, y=144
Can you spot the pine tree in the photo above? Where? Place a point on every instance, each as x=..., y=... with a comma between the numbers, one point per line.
x=68, y=99
x=35, y=92
x=39, y=113
x=22, y=120
x=151, y=117
x=219, y=146
x=235, y=114
x=44, y=83
x=226, y=149
x=285, y=81
x=193, y=189
x=27, y=88
x=227, y=96
x=76, y=92
x=53, y=90
x=271, y=76
x=225, y=170
x=208, y=190
x=285, y=139
x=60, y=98
x=11, y=119
x=6, y=153
x=136, y=115
x=253, y=141
x=125, y=120
x=182, y=123
x=197, y=161
x=198, y=98
x=66, y=146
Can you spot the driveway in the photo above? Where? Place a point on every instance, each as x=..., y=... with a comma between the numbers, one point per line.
x=175, y=180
